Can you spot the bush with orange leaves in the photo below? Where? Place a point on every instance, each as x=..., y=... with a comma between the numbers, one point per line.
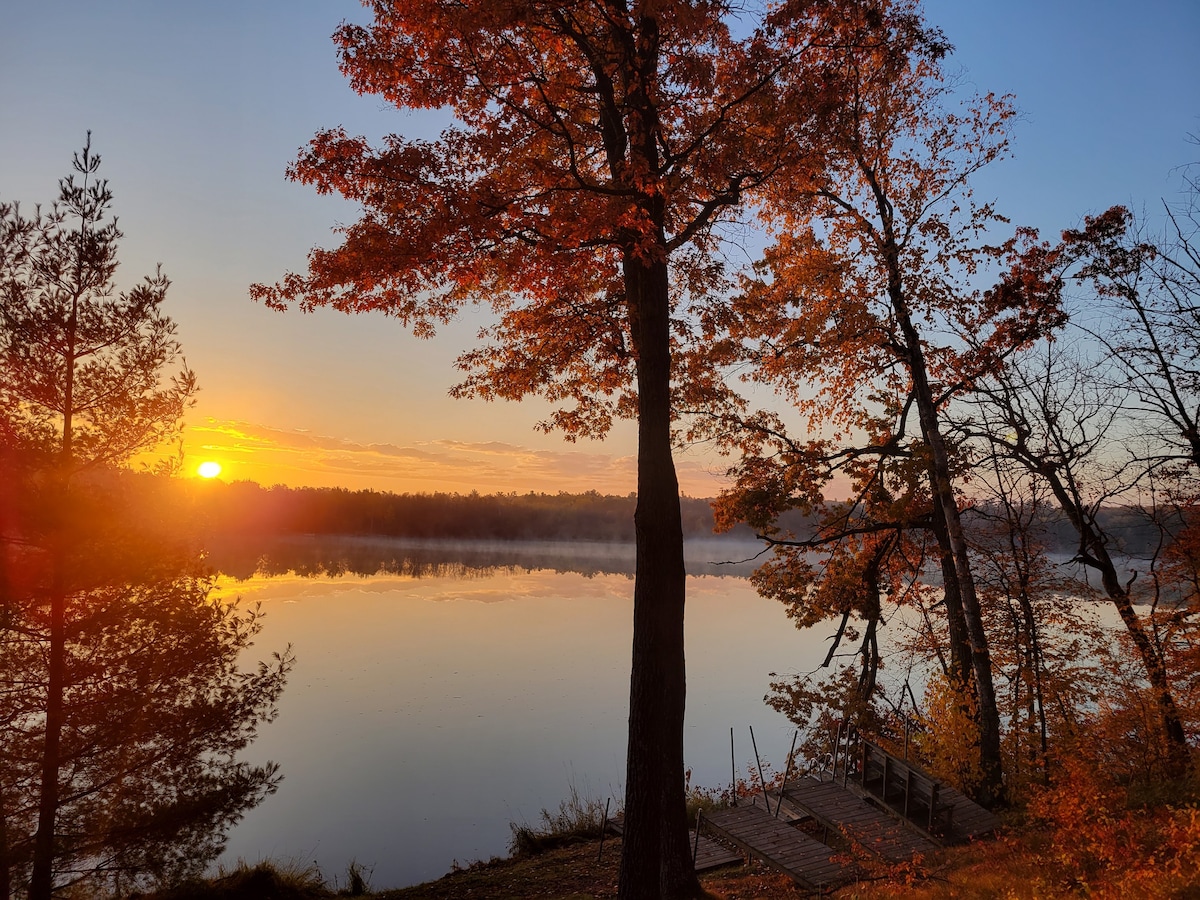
x=1113, y=840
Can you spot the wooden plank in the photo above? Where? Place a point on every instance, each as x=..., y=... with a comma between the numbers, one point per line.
x=960, y=818
x=712, y=855
x=808, y=862
x=840, y=810
x=709, y=853
x=788, y=814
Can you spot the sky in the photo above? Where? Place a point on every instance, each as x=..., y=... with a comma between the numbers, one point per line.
x=197, y=109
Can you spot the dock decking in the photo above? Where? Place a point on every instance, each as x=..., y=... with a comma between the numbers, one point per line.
x=839, y=810
x=937, y=810
x=874, y=801
x=710, y=854
x=805, y=860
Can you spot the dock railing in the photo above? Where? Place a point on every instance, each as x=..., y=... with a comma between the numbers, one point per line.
x=891, y=781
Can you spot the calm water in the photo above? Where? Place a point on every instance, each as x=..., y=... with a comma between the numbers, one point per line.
x=429, y=710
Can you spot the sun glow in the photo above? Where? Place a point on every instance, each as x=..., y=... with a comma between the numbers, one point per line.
x=209, y=469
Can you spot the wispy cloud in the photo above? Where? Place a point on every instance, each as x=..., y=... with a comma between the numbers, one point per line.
x=271, y=455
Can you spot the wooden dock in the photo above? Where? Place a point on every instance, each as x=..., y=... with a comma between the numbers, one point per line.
x=863, y=824
x=873, y=801
x=933, y=808
x=709, y=854
x=808, y=862
x=713, y=855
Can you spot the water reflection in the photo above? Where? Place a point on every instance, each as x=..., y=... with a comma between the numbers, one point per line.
x=313, y=556
x=431, y=708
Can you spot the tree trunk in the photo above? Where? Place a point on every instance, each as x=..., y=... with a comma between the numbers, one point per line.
x=991, y=789
x=41, y=883
x=656, y=857
x=5, y=863
x=956, y=623
x=1037, y=696
x=1096, y=556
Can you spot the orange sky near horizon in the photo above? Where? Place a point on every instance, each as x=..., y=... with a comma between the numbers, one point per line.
x=267, y=455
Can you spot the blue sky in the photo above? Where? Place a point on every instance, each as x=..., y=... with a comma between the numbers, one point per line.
x=197, y=108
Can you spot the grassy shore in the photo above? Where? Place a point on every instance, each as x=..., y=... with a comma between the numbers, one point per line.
x=1018, y=865
x=1085, y=837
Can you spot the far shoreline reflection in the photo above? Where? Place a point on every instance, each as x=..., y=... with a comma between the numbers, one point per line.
x=332, y=557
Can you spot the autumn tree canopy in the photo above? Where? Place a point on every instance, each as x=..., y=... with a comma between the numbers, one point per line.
x=596, y=147
x=856, y=318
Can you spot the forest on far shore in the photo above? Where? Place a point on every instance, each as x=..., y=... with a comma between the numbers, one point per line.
x=213, y=509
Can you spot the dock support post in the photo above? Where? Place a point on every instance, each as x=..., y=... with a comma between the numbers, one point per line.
x=732, y=770
x=762, y=781
x=787, y=766
x=837, y=743
x=603, y=829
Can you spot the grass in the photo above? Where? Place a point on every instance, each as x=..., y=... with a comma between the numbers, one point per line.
x=1010, y=868
x=579, y=818
x=1078, y=841
x=263, y=881
x=270, y=881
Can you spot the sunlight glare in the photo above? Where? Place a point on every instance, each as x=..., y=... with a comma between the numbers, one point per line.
x=209, y=469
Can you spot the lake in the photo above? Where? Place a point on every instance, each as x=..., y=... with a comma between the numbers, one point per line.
x=434, y=703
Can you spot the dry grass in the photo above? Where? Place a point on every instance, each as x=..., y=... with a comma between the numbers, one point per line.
x=1024, y=863
x=579, y=818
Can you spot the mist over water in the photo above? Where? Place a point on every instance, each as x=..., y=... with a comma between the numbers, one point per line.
x=458, y=687
x=309, y=556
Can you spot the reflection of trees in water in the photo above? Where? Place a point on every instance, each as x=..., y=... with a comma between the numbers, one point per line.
x=333, y=557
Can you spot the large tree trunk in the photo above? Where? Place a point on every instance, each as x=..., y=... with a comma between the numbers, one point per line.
x=656, y=858
x=991, y=788
x=956, y=622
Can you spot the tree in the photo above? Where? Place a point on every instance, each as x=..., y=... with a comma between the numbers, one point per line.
x=1044, y=642
x=598, y=145
x=155, y=706
x=861, y=306
x=1152, y=289
x=84, y=386
x=1103, y=428
x=81, y=382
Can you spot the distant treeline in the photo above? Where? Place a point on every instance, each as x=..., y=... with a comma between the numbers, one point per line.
x=245, y=508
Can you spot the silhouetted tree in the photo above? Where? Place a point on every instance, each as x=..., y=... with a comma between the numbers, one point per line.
x=155, y=705
x=85, y=384
x=1056, y=414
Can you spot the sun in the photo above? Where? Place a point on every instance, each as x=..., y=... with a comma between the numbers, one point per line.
x=209, y=469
